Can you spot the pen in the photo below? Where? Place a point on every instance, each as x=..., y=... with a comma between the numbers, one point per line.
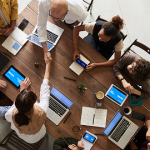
x=69, y=78
x=67, y=117
x=98, y=134
x=6, y=54
x=93, y=118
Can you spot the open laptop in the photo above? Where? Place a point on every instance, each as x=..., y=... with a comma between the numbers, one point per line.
x=59, y=106
x=53, y=35
x=120, y=130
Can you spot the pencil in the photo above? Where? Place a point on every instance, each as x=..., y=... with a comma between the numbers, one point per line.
x=67, y=117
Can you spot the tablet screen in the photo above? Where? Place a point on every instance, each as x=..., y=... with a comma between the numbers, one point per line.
x=14, y=76
x=89, y=138
x=116, y=94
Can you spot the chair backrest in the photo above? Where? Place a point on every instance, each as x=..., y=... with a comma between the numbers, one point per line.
x=12, y=141
x=138, y=44
x=99, y=18
x=89, y=4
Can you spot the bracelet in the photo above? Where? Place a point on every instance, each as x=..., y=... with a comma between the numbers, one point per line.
x=121, y=79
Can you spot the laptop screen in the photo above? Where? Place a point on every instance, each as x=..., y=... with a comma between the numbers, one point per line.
x=116, y=94
x=61, y=97
x=112, y=123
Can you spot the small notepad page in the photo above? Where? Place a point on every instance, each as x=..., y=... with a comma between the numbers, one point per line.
x=99, y=119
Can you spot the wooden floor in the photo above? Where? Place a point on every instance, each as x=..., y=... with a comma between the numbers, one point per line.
x=98, y=79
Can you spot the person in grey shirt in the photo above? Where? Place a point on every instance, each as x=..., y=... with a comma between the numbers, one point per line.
x=138, y=70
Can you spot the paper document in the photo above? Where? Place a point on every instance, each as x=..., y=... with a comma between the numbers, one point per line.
x=93, y=117
x=15, y=41
x=78, y=69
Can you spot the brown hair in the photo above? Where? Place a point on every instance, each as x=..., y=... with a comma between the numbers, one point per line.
x=113, y=27
x=24, y=103
x=141, y=70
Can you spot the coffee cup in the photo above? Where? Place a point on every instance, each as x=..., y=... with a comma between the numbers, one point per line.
x=127, y=110
x=76, y=129
x=99, y=95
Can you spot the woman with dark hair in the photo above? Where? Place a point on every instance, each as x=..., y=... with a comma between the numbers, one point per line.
x=27, y=117
x=104, y=37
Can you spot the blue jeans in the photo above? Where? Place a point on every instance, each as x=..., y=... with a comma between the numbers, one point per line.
x=3, y=110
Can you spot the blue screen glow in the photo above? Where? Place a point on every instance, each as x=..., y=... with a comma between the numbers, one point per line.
x=14, y=76
x=113, y=123
x=116, y=95
x=61, y=97
x=89, y=137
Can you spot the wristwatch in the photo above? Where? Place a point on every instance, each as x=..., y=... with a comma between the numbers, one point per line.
x=121, y=79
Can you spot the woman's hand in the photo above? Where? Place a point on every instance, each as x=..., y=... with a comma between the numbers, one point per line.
x=91, y=66
x=3, y=84
x=25, y=84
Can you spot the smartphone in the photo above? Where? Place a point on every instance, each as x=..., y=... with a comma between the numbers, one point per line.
x=23, y=24
x=89, y=137
x=138, y=116
x=80, y=62
x=134, y=98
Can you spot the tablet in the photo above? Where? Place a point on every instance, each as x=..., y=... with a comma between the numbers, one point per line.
x=14, y=76
x=116, y=95
x=89, y=137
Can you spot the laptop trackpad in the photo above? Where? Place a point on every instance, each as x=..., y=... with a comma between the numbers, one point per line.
x=127, y=136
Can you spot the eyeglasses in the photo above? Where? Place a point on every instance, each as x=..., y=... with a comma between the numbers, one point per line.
x=58, y=18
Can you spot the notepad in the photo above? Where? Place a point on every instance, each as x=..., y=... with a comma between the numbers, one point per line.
x=15, y=41
x=78, y=69
x=93, y=117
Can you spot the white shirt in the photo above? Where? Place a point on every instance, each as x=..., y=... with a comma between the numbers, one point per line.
x=77, y=12
x=44, y=101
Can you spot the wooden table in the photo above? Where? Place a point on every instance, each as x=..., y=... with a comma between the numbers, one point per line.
x=99, y=79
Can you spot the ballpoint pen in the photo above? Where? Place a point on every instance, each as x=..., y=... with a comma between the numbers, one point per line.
x=6, y=54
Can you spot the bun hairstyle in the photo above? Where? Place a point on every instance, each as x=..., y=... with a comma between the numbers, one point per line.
x=24, y=103
x=112, y=27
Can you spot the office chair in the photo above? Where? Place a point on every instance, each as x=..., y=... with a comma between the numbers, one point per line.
x=138, y=44
x=12, y=141
x=89, y=5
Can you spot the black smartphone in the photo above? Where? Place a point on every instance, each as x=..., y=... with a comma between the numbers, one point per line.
x=23, y=24
x=138, y=116
x=134, y=98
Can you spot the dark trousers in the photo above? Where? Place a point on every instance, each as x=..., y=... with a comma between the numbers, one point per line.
x=105, y=51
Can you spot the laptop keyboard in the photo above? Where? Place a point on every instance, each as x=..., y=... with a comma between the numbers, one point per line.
x=56, y=107
x=50, y=36
x=120, y=130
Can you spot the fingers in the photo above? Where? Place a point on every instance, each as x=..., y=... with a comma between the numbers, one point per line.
x=27, y=81
x=88, y=68
x=3, y=84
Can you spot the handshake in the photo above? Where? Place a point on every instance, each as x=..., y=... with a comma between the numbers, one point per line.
x=47, y=57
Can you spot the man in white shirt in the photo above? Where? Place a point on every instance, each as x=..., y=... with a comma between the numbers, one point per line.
x=72, y=11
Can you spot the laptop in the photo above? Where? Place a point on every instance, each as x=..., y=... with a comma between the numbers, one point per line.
x=59, y=106
x=53, y=35
x=120, y=130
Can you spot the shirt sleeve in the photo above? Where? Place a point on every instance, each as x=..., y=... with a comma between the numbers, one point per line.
x=145, y=92
x=8, y=114
x=83, y=14
x=42, y=21
x=44, y=95
x=14, y=9
x=119, y=46
x=89, y=27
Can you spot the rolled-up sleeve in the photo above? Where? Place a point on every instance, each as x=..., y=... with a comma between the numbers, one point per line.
x=14, y=9
x=89, y=27
x=44, y=95
x=42, y=20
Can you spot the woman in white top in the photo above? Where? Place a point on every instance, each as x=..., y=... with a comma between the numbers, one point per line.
x=27, y=117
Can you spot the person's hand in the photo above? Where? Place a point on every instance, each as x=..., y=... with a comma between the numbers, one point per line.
x=3, y=84
x=73, y=147
x=47, y=61
x=75, y=24
x=126, y=85
x=132, y=90
x=3, y=30
x=148, y=146
x=75, y=55
x=47, y=55
x=25, y=84
x=148, y=135
x=80, y=145
x=8, y=31
x=90, y=67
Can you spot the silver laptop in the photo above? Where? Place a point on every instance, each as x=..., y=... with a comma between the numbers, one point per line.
x=53, y=35
x=59, y=106
x=120, y=130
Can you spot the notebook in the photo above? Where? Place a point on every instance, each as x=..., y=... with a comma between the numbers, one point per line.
x=93, y=117
x=78, y=69
x=15, y=41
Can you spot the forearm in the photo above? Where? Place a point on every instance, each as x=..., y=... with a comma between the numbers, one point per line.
x=47, y=70
x=75, y=39
x=107, y=63
x=44, y=45
x=148, y=124
x=13, y=24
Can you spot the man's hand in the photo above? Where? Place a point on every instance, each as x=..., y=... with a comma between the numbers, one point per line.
x=80, y=145
x=47, y=61
x=126, y=85
x=47, y=55
x=25, y=84
x=8, y=31
x=75, y=24
x=73, y=147
x=75, y=55
x=90, y=67
x=3, y=84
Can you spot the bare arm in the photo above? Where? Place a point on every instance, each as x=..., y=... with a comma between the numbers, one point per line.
x=75, y=40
